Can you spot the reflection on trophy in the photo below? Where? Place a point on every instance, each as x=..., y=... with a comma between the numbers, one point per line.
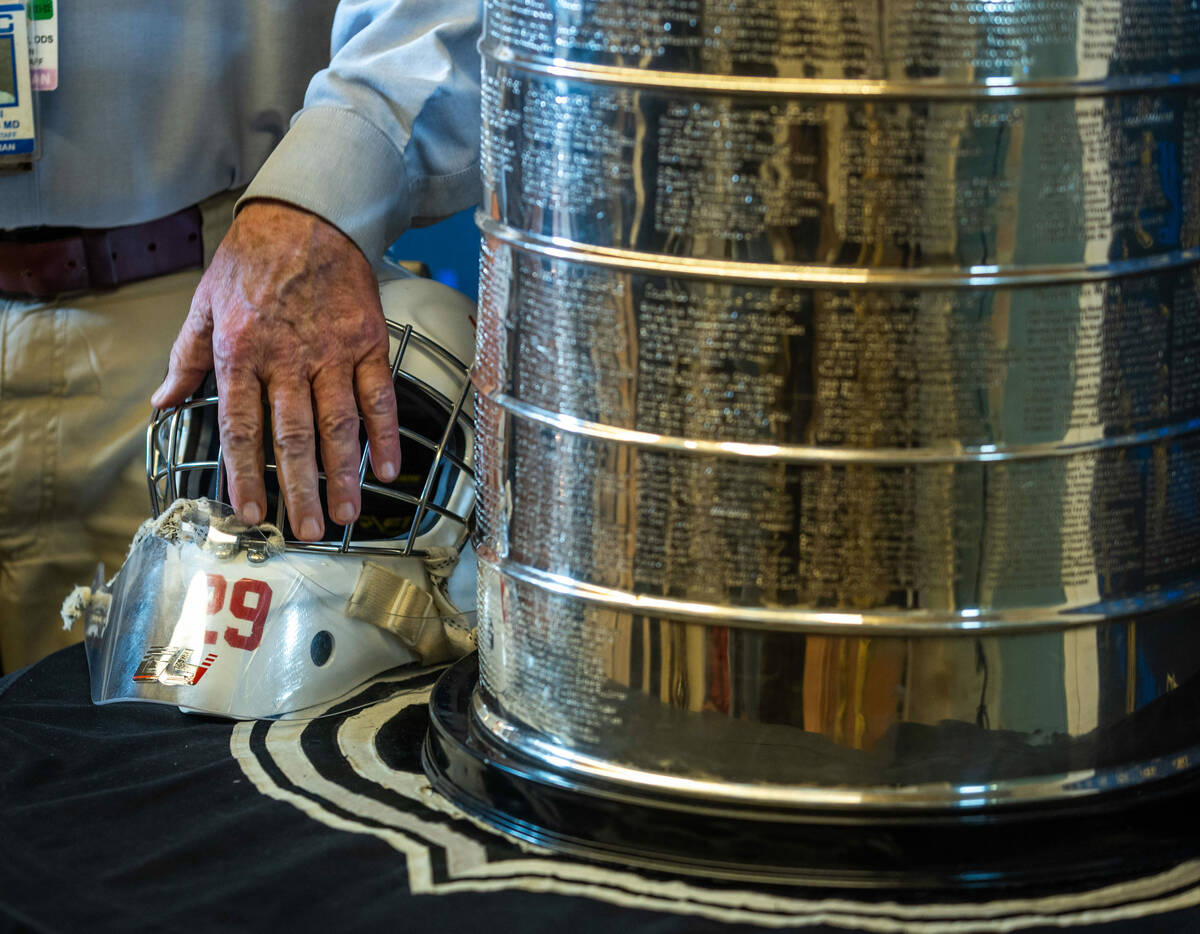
x=839, y=417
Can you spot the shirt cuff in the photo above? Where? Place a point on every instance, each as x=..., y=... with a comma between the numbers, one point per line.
x=344, y=169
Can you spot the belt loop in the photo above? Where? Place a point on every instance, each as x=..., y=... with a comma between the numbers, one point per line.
x=216, y=214
x=102, y=272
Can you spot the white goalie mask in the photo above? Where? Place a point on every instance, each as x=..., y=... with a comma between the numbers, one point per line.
x=215, y=617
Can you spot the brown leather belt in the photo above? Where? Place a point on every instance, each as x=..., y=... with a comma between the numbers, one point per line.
x=83, y=260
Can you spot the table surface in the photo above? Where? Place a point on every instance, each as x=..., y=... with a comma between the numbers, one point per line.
x=136, y=816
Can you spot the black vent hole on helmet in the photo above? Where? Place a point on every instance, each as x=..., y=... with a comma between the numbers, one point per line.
x=321, y=648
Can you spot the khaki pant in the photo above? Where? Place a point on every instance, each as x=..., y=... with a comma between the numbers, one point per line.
x=76, y=376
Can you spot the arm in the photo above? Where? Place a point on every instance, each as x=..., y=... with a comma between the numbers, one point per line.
x=289, y=306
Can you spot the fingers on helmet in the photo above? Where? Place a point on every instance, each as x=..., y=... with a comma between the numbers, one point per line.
x=341, y=456
x=294, y=440
x=377, y=400
x=240, y=420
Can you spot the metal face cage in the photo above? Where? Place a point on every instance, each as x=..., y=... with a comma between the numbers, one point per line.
x=430, y=504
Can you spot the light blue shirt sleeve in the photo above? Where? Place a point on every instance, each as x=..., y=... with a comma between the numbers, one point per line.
x=389, y=132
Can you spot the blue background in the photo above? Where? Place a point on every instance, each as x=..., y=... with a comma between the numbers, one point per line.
x=449, y=248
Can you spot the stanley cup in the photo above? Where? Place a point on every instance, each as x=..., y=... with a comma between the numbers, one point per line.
x=839, y=417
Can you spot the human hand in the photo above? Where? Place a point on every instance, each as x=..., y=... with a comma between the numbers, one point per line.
x=290, y=305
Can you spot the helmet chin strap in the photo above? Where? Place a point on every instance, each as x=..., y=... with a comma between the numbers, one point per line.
x=427, y=623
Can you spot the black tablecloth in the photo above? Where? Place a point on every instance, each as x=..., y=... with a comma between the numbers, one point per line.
x=138, y=817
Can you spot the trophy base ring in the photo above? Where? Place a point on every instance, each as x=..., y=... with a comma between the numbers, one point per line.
x=1108, y=837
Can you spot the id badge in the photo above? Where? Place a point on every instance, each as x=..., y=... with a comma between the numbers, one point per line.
x=18, y=142
x=43, y=44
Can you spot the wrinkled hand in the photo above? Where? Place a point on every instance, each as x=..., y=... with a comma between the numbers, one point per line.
x=291, y=306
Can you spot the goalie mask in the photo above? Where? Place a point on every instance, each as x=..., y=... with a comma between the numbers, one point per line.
x=215, y=617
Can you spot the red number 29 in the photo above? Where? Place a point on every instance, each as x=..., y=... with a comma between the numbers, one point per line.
x=254, y=613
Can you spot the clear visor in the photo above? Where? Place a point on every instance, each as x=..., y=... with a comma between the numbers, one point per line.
x=217, y=618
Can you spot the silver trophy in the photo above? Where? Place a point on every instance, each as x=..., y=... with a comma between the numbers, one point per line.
x=839, y=419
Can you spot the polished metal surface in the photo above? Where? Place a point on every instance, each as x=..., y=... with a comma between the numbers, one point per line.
x=531, y=797
x=914, y=190
x=839, y=419
x=804, y=719
x=987, y=46
x=852, y=374
x=1052, y=540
